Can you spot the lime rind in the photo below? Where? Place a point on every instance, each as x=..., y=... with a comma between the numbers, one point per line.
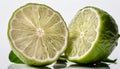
x=105, y=42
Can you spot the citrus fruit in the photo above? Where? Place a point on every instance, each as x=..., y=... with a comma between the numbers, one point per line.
x=38, y=34
x=93, y=35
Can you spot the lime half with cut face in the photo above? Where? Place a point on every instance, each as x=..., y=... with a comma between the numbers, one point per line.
x=38, y=34
x=93, y=34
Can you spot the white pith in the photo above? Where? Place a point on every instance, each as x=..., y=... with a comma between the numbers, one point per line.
x=39, y=33
x=82, y=34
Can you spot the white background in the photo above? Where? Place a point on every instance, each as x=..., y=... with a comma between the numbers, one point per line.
x=67, y=8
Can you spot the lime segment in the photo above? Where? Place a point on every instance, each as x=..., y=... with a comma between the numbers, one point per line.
x=87, y=26
x=38, y=34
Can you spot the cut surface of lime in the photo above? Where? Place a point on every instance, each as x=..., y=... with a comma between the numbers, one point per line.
x=93, y=34
x=38, y=34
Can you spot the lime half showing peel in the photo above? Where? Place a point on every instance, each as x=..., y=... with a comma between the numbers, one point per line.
x=93, y=34
x=38, y=34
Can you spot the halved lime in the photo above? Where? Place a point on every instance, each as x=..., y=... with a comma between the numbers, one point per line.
x=93, y=34
x=37, y=33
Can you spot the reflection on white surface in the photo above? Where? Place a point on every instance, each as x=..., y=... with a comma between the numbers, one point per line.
x=99, y=66
x=24, y=66
x=88, y=68
x=60, y=66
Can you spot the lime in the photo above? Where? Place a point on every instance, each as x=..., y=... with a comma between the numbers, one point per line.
x=93, y=35
x=38, y=34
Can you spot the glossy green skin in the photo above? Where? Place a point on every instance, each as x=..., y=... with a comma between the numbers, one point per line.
x=105, y=43
x=23, y=58
x=13, y=58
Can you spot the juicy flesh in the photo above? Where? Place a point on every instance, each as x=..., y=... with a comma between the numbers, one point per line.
x=38, y=32
x=84, y=33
